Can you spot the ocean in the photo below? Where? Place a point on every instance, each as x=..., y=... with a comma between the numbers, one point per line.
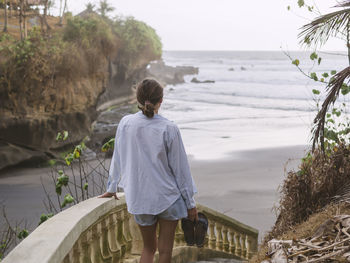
x=259, y=100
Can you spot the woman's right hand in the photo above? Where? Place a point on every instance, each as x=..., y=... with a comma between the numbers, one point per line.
x=192, y=214
x=107, y=195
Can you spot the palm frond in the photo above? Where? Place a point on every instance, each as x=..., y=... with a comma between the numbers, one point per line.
x=343, y=4
x=323, y=27
x=333, y=89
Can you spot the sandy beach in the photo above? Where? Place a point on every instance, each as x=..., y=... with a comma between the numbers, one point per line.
x=243, y=186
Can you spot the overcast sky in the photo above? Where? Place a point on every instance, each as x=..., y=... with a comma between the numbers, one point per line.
x=219, y=24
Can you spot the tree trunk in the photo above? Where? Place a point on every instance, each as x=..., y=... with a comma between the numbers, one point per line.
x=60, y=14
x=21, y=18
x=6, y=17
x=45, y=15
x=25, y=28
x=11, y=7
x=64, y=10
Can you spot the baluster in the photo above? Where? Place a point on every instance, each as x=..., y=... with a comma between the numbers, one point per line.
x=244, y=245
x=112, y=231
x=232, y=241
x=67, y=258
x=179, y=236
x=120, y=235
x=249, y=253
x=84, y=249
x=212, y=238
x=219, y=242
x=127, y=232
x=96, y=256
x=226, y=243
x=238, y=244
x=103, y=239
x=75, y=252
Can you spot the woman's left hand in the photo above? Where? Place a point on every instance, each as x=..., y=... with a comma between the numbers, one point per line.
x=107, y=195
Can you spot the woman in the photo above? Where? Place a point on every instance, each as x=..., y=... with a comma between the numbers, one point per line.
x=150, y=163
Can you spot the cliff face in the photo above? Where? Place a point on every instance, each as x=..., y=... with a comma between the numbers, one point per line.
x=30, y=121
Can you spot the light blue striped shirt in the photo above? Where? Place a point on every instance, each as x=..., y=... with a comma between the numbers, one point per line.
x=150, y=163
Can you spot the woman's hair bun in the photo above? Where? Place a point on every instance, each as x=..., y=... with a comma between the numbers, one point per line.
x=149, y=92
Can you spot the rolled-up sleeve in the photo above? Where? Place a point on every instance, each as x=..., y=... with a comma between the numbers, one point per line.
x=114, y=169
x=180, y=168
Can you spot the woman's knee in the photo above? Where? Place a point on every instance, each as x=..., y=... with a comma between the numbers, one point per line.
x=150, y=247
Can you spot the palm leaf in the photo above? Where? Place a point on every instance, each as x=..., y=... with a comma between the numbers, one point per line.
x=323, y=27
x=343, y=4
x=333, y=89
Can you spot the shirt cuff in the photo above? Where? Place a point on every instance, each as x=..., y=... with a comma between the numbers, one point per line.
x=111, y=187
x=189, y=200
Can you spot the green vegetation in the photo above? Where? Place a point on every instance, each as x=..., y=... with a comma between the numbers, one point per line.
x=39, y=63
x=136, y=36
x=316, y=191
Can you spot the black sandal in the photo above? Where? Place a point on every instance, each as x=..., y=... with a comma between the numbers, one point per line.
x=188, y=227
x=201, y=229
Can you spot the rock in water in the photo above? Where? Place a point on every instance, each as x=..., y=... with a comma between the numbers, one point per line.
x=195, y=80
x=169, y=75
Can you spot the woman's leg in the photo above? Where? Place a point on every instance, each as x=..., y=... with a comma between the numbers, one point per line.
x=149, y=236
x=166, y=239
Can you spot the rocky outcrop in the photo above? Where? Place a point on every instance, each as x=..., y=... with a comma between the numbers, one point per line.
x=168, y=74
x=30, y=122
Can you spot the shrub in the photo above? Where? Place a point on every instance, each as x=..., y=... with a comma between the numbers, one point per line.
x=137, y=36
x=321, y=179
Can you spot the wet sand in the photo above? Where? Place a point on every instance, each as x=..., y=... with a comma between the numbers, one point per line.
x=243, y=186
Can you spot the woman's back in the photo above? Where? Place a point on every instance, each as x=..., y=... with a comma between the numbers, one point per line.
x=152, y=163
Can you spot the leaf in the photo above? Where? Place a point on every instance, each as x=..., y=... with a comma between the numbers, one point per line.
x=313, y=56
x=333, y=72
x=86, y=185
x=313, y=75
x=296, y=62
x=63, y=180
x=58, y=188
x=288, y=7
x=69, y=158
x=319, y=61
x=301, y=3
x=326, y=75
x=65, y=135
x=316, y=92
x=67, y=200
x=59, y=136
x=44, y=217
x=345, y=90
x=108, y=145
x=23, y=234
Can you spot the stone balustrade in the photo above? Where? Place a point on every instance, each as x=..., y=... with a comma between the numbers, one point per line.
x=101, y=230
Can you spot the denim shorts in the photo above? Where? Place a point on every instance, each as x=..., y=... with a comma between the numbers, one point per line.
x=176, y=211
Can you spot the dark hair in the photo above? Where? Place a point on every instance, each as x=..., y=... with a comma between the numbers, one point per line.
x=149, y=92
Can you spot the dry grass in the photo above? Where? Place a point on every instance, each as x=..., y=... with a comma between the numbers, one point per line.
x=308, y=196
x=306, y=228
x=320, y=178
